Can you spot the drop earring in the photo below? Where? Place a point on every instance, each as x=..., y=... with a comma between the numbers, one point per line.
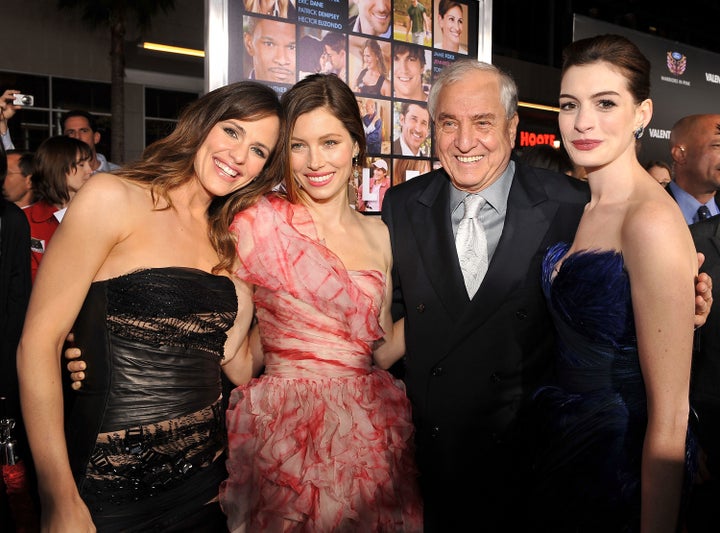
x=639, y=132
x=355, y=169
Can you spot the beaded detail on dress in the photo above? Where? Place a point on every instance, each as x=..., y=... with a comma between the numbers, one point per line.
x=146, y=435
x=160, y=311
x=136, y=463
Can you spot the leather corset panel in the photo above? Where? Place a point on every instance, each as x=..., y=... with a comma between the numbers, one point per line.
x=147, y=416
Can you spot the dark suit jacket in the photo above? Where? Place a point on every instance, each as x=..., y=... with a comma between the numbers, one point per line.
x=705, y=383
x=471, y=365
x=14, y=295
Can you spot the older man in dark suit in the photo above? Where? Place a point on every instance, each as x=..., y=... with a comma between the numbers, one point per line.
x=473, y=358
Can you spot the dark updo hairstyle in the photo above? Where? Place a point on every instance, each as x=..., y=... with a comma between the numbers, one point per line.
x=617, y=51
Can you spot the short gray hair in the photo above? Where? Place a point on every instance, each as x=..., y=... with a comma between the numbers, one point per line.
x=459, y=69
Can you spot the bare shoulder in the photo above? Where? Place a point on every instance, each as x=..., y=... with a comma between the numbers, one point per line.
x=377, y=234
x=110, y=205
x=372, y=222
x=374, y=227
x=654, y=218
x=654, y=231
x=107, y=190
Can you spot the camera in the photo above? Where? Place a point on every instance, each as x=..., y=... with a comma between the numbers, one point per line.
x=23, y=99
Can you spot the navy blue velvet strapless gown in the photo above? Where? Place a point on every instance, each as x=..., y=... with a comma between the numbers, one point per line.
x=591, y=422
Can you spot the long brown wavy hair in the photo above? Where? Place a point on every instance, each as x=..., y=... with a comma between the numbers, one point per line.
x=169, y=162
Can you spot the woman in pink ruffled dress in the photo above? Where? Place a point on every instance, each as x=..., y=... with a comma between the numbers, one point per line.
x=322, y=440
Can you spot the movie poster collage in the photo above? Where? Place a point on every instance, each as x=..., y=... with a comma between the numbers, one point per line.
x=386, y=51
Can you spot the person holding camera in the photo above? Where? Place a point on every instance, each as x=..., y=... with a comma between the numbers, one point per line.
x=8, y=106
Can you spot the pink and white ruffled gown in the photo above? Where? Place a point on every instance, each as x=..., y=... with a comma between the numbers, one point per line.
x=322, y=439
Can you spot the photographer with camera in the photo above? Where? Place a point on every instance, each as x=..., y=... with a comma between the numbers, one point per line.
x=8, y=107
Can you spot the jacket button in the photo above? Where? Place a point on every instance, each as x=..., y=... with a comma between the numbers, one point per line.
x=420, y=308
x=521, y=314
x=435, y=432
x=437, y=371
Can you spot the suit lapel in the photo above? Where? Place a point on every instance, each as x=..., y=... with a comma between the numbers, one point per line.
x=714, y=237
x=432, y=231
x=528, y=218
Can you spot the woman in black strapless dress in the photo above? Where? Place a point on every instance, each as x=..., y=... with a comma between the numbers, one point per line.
x=138, y=270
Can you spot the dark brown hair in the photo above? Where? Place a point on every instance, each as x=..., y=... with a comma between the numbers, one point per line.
x=617, y=51
x=169, y=162
x=314, y=92
x=447, y=5
x=54, y=159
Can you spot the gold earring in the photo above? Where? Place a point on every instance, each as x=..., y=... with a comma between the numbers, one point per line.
x=356, y=169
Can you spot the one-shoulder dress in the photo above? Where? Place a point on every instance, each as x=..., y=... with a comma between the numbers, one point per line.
x=591, y=422
x=323, y=438
x=146, y=434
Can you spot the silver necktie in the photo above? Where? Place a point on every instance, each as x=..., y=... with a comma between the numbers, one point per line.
x=471, y=244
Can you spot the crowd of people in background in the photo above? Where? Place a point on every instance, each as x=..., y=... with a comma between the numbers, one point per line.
x=374, y=376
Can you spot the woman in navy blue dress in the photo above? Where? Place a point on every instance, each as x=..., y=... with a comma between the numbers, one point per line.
x=613, y=452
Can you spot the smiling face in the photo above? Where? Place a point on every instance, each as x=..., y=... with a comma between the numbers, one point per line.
x=272, y=48
x=369, y=106
x=452, y=26
x=415, y=126
x=370, y=60
x=234, y=152
x=598, y=115
x=407, y=77
x=379, y=176
x=699, y=165
x=474, y=137
x=321, y=154
x=374, y=15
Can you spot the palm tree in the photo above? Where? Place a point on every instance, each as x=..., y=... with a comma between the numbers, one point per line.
x=115, y=14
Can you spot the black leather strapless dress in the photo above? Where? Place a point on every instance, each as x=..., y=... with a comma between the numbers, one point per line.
x=146, y=433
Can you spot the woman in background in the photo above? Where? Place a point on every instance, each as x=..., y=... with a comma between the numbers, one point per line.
x=62, y=166
x=373, y=79
x=660, y=171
